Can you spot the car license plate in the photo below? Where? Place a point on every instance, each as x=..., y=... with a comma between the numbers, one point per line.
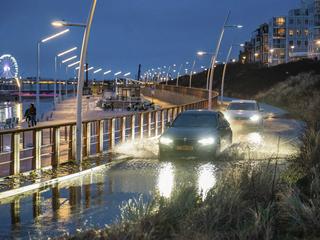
x=184, y=148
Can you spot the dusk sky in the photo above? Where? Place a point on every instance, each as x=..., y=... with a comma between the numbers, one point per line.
x=128, y=32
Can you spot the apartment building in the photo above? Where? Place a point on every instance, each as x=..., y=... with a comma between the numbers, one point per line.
x=277, y=40
x=314, y=28
x=297, y=34
x=286, y=38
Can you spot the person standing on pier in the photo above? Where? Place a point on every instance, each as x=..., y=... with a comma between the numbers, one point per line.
x=33, y=115
x=27, y=116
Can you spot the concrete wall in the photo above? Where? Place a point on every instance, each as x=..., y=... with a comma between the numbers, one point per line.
x=170, y=97
x=178, y=95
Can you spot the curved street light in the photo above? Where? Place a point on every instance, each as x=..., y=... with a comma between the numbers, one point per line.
x=85, y=41
x=215, y=56
x=38, y=62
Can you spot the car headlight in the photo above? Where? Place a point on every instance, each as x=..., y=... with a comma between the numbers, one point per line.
x=227, y=116
x=166, y=141
x=255, y=118
x=206, y=141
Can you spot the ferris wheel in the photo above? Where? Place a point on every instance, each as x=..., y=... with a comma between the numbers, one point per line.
x=8, y=67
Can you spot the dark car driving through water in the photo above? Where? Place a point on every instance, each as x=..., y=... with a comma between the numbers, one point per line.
x=197, y=133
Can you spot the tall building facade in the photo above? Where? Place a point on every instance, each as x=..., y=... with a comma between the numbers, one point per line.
x=314, y=28
x=277, y=40
x=286, y=38
x=298, y=25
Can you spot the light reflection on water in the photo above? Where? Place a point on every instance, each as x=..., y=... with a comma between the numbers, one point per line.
x=93, y=201
x=166, y=180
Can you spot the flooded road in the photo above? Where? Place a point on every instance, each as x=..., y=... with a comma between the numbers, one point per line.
x=94, y=200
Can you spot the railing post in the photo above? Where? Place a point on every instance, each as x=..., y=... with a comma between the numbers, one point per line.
x=123, y=129
x=100, y=133
x=36, y=162
x=56, y=147
x=156, y=123
x=141, y=125
x=172, y=114
x=133, y=127
x=1, y=142
x=168, y=115
x=70, y=143
x=15, y=145
x=88, y=139
x=162, y=121
x=149, y=124
x=74, y=141
x=112, y=131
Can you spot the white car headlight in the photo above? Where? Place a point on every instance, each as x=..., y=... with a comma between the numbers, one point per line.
x=166, y=140
x=206, y=141
x=255, y=118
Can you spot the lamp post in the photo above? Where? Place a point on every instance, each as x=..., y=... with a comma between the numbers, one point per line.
x=214, y=57
x=55, y=74
x=225, y=68
x=178, y=75
x=86, y=36
x=202, y=53
x=38, y=62
x=191, y=72
x=168, y=72
x=66, y=81
x=75, y=76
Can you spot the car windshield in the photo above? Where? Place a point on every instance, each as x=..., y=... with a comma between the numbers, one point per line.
x=243, y=106
x=196, y=120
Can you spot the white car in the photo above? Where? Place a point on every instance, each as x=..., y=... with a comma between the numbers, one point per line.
x=244, y=114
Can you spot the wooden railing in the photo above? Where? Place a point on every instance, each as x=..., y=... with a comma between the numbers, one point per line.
x=23, y=150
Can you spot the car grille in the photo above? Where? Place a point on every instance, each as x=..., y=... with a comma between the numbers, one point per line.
x=241, y=118
x=179, y=142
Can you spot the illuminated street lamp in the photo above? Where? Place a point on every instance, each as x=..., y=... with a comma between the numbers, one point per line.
x=69, y=59
x=215, y=56
x=38, y=62
x=73, y=64
x=97, y=71
x=75, y=76
x=55, y=74
x=107, y=72
x=225, y=68
x=86, y=36
x=66, y=81
x=191, y=73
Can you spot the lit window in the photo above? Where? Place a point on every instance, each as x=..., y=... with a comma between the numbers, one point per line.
x=290, y=32
x=280, y=21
